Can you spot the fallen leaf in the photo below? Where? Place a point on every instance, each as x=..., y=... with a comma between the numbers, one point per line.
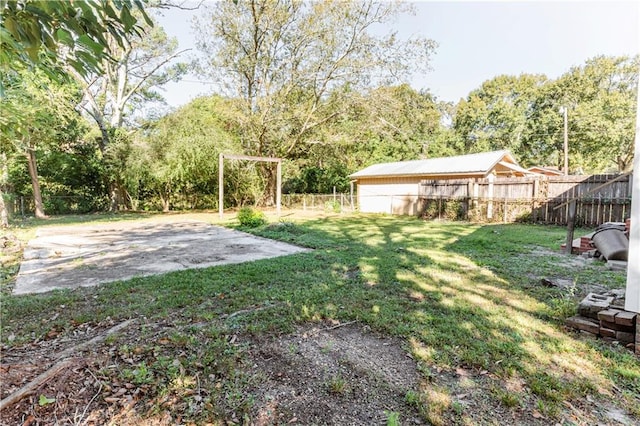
x=461, y=372
x=121, y=391
x=537, y=414
x=29, y=421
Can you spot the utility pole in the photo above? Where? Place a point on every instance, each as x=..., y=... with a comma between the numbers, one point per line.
x=564, y=110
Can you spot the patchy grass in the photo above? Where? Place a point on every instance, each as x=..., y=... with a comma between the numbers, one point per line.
x=465, y=298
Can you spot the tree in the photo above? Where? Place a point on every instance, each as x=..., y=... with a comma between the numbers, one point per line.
x=388, y=123
x=285, y=59
x=496, y=115
x=142, y=64
x=50, y=34
x=176, y=157
x=45, y=108
x=4, y=216
x=118, y=94
x=600, y=97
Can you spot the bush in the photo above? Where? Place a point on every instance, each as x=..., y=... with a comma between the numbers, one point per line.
x=251, y=218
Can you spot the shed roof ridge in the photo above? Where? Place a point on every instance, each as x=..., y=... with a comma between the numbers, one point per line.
x=476, y=162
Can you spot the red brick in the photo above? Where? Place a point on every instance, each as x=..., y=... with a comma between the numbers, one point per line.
x=606, y=332
x=626, y=318
x=585, y=324
x=616, y=327
x=625, y=337
x=608, y=315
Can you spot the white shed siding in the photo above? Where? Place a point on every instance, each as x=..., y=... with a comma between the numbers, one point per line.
x=389, y=195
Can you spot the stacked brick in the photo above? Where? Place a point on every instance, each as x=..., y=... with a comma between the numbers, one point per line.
x=581, y=245
x=618, y=325
x=598, y=317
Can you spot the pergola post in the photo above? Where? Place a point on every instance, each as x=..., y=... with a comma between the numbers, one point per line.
x=221, y=184
x=279, y=187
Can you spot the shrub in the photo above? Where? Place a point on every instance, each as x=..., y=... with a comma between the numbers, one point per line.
x=251, y=218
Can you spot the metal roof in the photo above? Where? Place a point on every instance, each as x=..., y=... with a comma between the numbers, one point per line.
x=481, y=163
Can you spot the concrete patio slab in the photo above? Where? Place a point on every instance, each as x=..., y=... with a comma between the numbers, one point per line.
x=66, y=257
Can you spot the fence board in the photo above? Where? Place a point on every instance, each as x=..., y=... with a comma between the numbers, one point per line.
x=533, y=198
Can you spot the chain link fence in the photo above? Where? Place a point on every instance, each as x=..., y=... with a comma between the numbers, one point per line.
x=337, y=203
x=23, y=206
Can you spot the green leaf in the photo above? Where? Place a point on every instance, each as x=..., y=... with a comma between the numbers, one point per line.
x=64, y=37
x=43, y=400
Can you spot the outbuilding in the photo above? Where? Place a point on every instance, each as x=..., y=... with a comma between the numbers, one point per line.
x=394, y=187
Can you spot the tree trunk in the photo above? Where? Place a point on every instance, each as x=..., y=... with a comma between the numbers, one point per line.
x=4, y=216
x=165, y=199
x=269, y=195
x=33, y=172
x=166, y=205
x=118, y=196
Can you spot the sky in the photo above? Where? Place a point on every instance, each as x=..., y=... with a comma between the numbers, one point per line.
x=481, y=40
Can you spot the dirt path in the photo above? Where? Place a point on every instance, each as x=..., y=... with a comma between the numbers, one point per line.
x=88, y=255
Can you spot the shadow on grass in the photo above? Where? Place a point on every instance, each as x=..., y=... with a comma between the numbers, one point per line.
x=454, y=291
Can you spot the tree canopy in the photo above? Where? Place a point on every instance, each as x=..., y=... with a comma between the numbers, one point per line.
x=523, y=114
x=318, y=84
x=59, y=32
x=294, y=65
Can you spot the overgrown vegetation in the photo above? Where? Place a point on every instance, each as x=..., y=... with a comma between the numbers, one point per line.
x=465, y=298
x=251, y=218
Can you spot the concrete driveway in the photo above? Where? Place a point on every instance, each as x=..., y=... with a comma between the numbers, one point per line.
x=88, y=255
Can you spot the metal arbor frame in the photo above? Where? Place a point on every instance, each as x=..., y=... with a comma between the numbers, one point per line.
x=248, y=158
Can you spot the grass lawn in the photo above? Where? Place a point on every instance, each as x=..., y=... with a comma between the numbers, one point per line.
x=464, y=299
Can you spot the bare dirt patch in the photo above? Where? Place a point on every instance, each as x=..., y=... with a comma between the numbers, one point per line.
x=321, y=374
x=344, y=375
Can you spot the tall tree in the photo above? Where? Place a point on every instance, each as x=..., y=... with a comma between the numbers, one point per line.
x=600, y=97
x=4, y=215
x=51, y=34
x=118, y=94
x=285, y=58
x=44, y=107
x=495, y=115
x=141, y=66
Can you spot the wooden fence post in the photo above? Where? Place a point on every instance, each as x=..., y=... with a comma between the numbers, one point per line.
x=571, y=217
x=534, y=205
x=491, y=178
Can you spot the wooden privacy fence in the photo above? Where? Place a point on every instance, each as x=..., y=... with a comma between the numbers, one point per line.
x=528, y=199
